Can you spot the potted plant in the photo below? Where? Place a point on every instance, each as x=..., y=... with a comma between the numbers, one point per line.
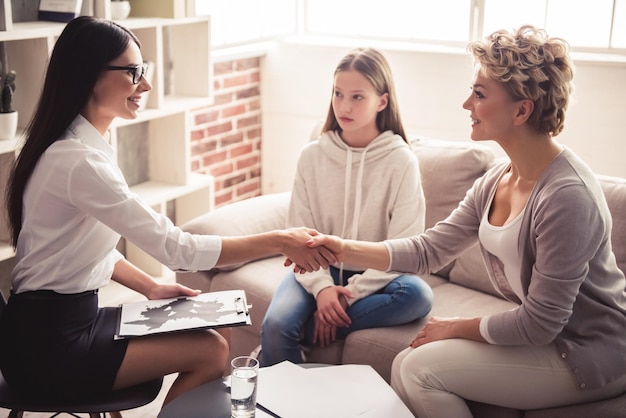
x=8, y=115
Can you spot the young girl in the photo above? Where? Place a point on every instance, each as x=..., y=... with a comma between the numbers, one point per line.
x=358, y=180
x=544, y=229
x=68, y=205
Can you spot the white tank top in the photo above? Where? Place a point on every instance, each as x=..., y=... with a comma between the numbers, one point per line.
x=501, y=241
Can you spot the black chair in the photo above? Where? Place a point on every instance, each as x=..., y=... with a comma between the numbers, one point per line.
x=97, y=406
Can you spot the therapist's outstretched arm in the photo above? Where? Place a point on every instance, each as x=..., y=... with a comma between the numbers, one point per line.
x=363, y=254
x=289, y=242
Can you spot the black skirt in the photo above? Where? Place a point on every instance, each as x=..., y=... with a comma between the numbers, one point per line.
x=58, y=346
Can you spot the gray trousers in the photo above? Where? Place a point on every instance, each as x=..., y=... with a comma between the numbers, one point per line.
x=434, y=379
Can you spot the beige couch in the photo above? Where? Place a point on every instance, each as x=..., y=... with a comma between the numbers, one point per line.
x=448, y=169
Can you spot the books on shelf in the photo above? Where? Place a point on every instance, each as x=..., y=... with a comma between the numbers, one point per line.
x=60, y=10
x=226, y=308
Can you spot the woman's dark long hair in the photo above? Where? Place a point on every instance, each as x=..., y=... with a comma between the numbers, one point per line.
x=84, y=48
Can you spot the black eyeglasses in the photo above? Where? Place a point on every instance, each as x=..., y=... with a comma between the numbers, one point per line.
x=137, y=71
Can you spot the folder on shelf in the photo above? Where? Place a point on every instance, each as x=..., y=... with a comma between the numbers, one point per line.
x=226, y=308
x=59, y=10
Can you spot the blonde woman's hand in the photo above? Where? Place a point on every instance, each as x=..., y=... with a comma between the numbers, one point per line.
x=444, y=328
x=332, y=243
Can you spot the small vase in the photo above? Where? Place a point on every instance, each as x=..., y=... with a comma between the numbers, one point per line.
x=8, y=125
x=120, y=10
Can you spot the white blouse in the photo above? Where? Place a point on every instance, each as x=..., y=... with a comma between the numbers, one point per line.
x=76, y=205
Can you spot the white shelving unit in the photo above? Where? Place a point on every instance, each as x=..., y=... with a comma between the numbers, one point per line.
x=152, y=150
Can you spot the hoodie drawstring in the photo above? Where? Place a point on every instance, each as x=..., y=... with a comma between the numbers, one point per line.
x=357, y=200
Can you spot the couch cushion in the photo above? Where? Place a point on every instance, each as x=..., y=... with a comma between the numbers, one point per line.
x=245, y=217
x=469, y=270
x=448, y=170
x=614, y=189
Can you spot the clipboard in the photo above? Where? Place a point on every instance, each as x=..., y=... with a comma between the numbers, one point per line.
x=228, y=308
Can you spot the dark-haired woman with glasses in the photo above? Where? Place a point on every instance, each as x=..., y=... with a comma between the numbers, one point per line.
x=68, y=205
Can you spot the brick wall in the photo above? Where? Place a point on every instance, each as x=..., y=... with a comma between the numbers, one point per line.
x=226, y=136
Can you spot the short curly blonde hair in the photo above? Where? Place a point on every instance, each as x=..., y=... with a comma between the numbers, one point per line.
x=530, y=65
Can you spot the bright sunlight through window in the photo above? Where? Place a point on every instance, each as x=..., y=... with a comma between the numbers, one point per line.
x=586, y=24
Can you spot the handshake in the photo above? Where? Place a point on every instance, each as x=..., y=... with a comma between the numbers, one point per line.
x=308, y=250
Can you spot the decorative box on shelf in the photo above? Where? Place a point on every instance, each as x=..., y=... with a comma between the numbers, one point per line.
x=163, y=8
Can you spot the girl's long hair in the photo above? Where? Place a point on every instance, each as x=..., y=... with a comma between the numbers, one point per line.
x=82, y=51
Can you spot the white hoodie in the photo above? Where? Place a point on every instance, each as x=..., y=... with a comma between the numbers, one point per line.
x=372, y=193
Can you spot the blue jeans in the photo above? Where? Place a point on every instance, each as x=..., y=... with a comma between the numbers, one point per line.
x=289, y=322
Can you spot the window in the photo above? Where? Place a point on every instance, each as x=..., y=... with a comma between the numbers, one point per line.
x=583, y=23
x=238, y=21
x=618, y=36
x=391, y=19
x=586, y=24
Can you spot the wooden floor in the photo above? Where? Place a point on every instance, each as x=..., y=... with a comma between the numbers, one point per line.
x=113, y=295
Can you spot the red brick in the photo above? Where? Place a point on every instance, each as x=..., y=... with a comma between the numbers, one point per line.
x=246, y=63
x=223, y=199
x=219, y=170
x=223, y=98
x=231, y=139
x=206, y=117
x=241, y=150
x=252, y=187
x=197, y=134
x=246, y=162
x=221, y=128
x=254, y=133
x=231, y=181
x=255, y=172
x=223, y=67
x=203, y=147
x=217, y=157
x=254, y=104
x=249, y=92
x=248, y=121
x=237, y=80
x=238, y=109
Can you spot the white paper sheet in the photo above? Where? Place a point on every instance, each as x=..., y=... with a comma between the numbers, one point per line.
x=345, y=391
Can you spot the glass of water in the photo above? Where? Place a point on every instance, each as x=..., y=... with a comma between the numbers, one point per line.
x=243, y=385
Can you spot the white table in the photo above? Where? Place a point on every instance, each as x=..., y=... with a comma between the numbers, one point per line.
x=289, y=391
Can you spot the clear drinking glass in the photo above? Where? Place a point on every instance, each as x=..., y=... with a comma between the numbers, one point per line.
x=243, y=386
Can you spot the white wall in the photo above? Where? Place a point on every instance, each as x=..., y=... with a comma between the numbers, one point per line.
x=431, y=86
